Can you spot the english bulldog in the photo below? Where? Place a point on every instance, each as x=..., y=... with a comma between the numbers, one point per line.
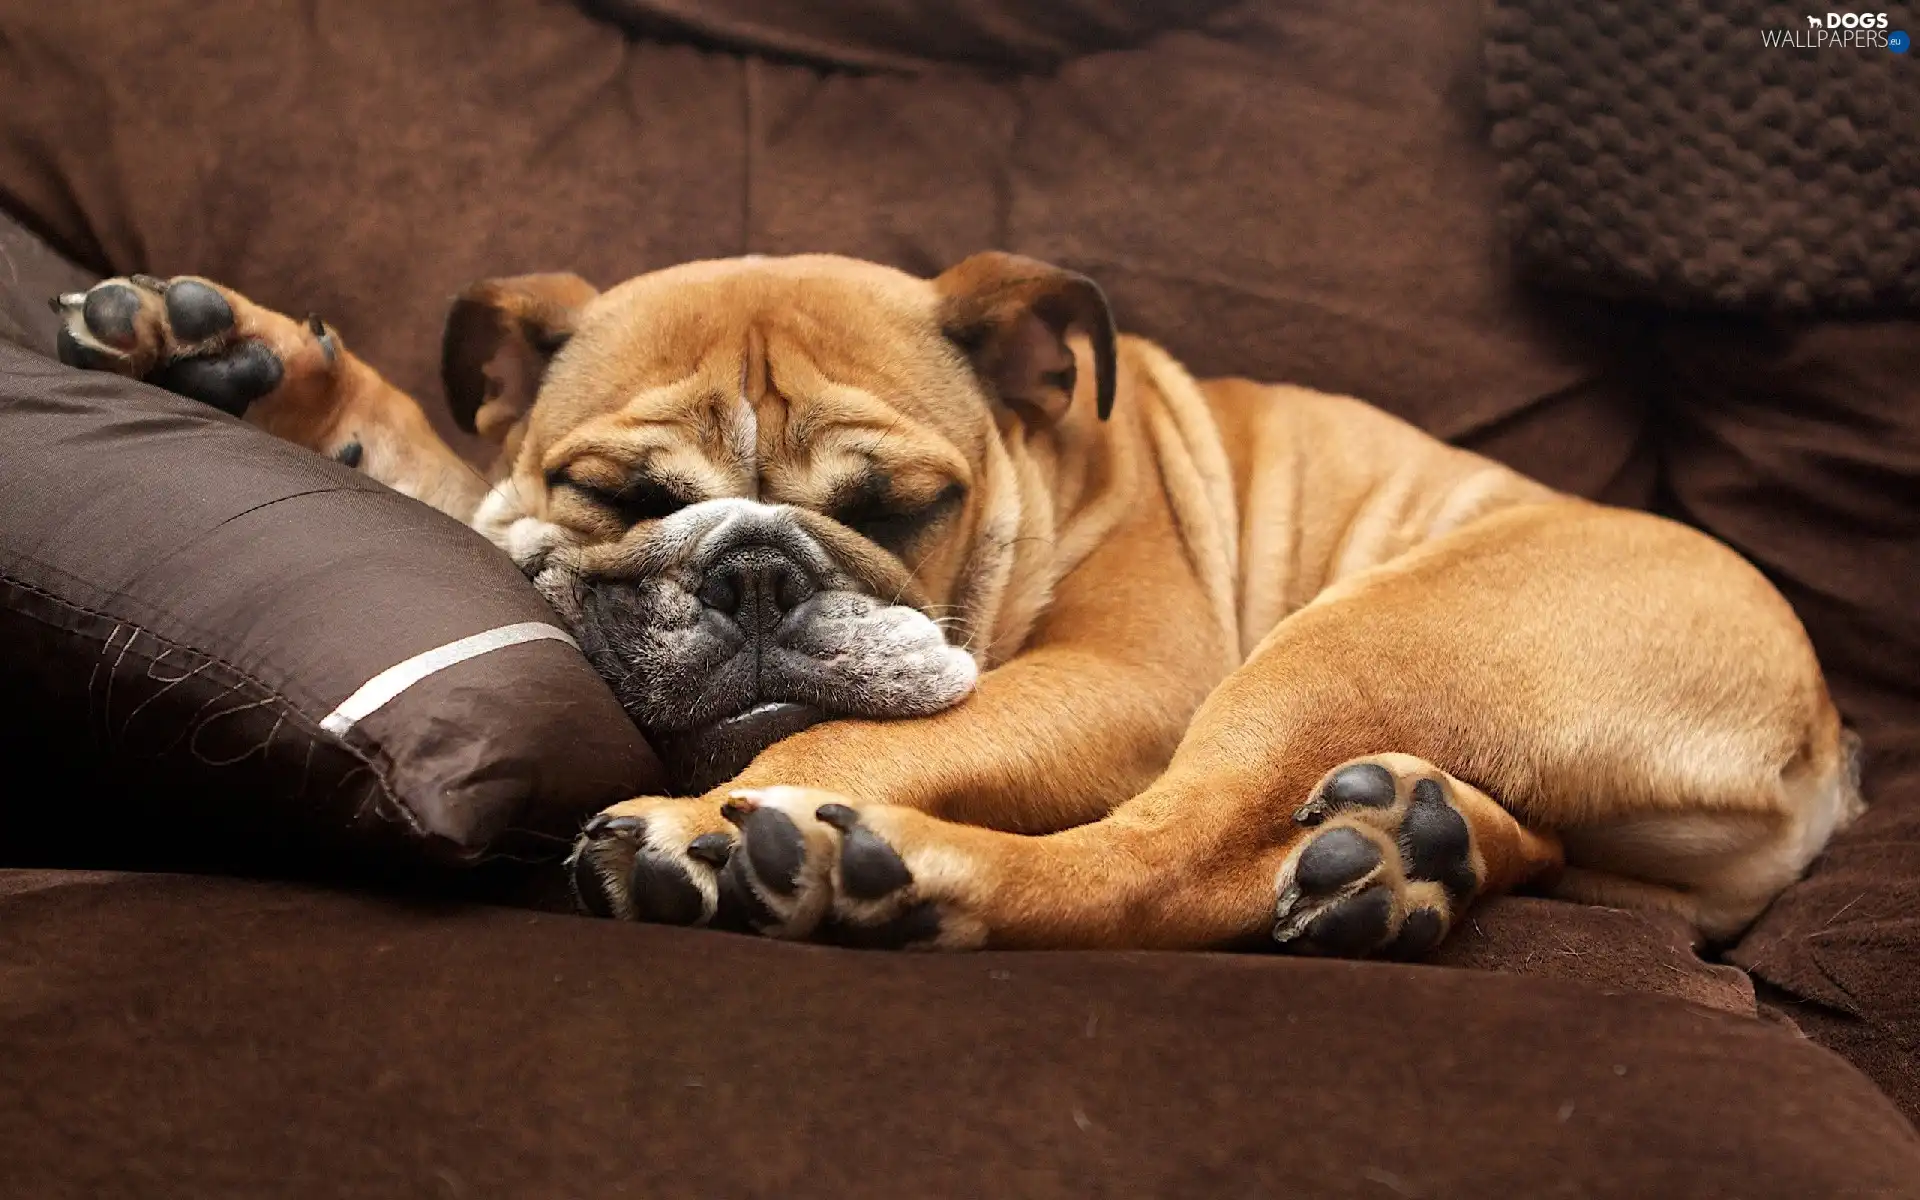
x=965, y=621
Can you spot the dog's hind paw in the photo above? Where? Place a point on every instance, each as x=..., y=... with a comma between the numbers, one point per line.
x=191, y=337
x=1388, y=867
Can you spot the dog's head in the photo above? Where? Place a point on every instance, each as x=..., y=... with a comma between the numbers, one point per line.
x=764, y=492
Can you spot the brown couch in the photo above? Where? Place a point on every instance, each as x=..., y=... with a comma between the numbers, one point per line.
x=1277, y=189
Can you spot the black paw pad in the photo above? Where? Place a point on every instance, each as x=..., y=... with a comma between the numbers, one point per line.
x=1351, y=927
x=661, y=891
x=228, y=383
x=921, y=923
x=775, y=848
x=1419, y=933
x=1362, y=785
x=1368, y=785
x=74, y=353
x=869, y=868
x=1435, y=842
x=589, y=890
x=197, y=312
x=109, y=312
x=713, y=849
x=741, y=908
x=1333, y=860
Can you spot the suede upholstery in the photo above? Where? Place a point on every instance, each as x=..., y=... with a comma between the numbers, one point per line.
x=1272, y=189
x=225, y=1039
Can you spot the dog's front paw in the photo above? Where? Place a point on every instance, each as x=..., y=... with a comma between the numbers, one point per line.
x=191, y=337
x=1388, y=868
x=653, y=860
x=819, y=865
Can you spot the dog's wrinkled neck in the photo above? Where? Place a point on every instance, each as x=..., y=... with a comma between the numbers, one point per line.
x=1050, y=496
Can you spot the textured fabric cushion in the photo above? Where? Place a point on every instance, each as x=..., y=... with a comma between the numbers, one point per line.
x=1275, y=190
x=1659, y=150
x=184, y=604
x=189, y=1037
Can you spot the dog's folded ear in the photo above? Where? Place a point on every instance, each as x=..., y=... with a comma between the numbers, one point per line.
x=500, y=336
x=1011, y=315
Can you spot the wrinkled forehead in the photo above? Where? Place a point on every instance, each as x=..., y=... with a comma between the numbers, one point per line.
x=756, y=359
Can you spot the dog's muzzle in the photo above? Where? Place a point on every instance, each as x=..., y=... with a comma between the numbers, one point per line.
x=729, y=627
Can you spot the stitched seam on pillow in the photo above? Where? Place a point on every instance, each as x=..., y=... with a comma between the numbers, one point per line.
x=187, y=629
x=394, y=802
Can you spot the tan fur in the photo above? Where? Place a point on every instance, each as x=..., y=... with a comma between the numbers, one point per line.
x=1187, y=615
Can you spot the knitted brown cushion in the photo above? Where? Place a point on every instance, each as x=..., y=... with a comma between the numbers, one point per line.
x=1663, y=150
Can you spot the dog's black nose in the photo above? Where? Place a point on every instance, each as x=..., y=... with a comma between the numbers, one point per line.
x=756, y=586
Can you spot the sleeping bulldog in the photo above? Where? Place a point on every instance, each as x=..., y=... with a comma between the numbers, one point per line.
x=966, y=621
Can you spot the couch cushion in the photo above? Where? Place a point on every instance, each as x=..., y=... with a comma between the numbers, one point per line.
x=1837, y=953
x=195, y=623
x=180, y=1036
x=1611, y=948
x=1273, y=190
x=33, y=273
x=1799, y=445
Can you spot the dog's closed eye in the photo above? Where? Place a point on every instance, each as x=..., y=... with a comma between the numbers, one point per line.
x=892, y=522
x=638, y=500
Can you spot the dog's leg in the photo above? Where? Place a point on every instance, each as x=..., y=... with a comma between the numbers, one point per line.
x=292, y=378
x=1046, y=742
x=1382, y=859
x=1086, y=715
x=1620, y=681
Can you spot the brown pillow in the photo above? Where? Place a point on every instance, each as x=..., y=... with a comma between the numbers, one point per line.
x=216, y=646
